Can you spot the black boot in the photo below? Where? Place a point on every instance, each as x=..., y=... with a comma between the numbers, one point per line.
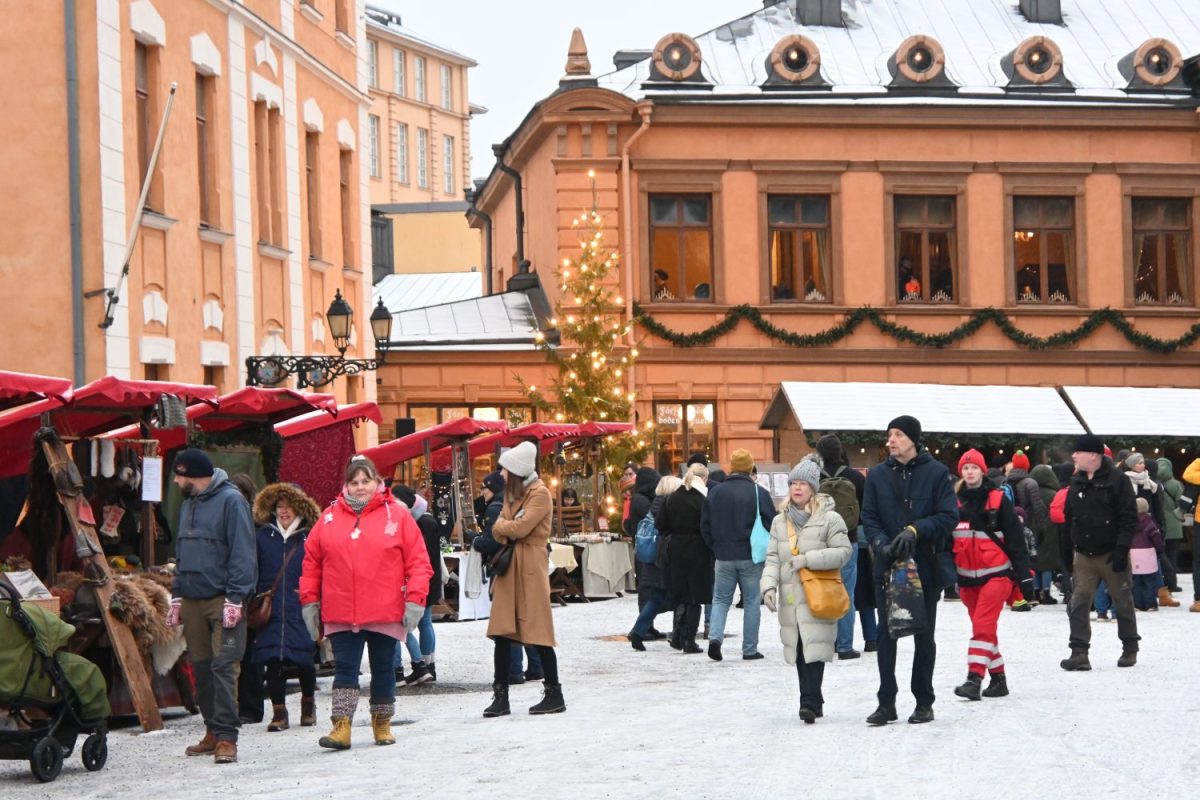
x=1078, y=662
x=552, y=700
x=1048, y=598
x=997, y=686
x=714, y=651
x=1128, y=658
x=637, y=642
x=921, y=714
x=883, y=715
x=690, y=646
x=970, y=688
x=499, y=706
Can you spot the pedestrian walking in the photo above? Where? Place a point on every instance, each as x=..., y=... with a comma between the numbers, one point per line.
x=1173, y=516
x=654, y=574
x=690, y=561
x=1145, y=553
x=651, y=580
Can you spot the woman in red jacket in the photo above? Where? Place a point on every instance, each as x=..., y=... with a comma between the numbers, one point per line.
x=993, y=568
x=366, y=575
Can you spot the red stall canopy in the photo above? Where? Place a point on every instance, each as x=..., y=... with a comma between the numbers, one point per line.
x=387, y=456
x=306, y=423
x=318, y=445
x=19, y=388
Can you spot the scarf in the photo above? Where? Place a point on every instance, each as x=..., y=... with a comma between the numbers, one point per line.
x=356, y=505
x=797, y=515
x=1141, y=480
x=287, y=532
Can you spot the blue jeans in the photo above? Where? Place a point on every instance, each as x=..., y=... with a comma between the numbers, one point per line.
x=1145, y=591
x=516, y=664
x=414, y=651
x=428, y=639
x=746, y=575
x=845, y=626
x=1043, y=580
x=1102, y=601
x=656, y=601
x=347, y=657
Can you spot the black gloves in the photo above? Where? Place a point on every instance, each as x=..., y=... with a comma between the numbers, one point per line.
x=902, y=546
x=1120, y=558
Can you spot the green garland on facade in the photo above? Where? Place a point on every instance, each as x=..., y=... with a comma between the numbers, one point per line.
x=903, y=333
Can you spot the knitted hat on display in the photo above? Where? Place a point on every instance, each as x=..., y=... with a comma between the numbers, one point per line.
x=972, y=457
x=1089, y=443
x=909, y=426
x=193, y=463
x=495, y=482
x=741, y=461
x=1020, y=461
x=807, y=471
x=520, y=461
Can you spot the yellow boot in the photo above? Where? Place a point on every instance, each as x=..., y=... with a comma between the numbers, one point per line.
x=1165, y=599
x=381, y=722
x=339, y=737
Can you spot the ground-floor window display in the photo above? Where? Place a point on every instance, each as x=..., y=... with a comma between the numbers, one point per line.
x=684, y=428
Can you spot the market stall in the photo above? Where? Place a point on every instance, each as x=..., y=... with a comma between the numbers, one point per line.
x=317, y=446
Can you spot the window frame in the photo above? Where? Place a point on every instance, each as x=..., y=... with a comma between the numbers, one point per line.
x=796, y=229
x=312, y=190
x=373, y=144
x=1161, y=187
x=399, y=71
x=688, y=448
x=422, y=158
x=208, y=206
x=1043, y=265
x=346, y=198
x=448, y=182
x=924, y=229
x=420, y=79
x=147, y=66
x=400, y=149
x=372, y=64
x=446, y=76
x=267, y=132
x=679, y=289
x=1046, y=182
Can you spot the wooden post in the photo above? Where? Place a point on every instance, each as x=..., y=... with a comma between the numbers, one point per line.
x=149, y=525
x=129, y=658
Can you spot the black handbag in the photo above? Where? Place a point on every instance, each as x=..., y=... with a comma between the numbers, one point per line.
x=498, y=563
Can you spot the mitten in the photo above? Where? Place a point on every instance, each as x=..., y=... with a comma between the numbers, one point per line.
x=413, y=612
x=769, y=599
x=311, y=612
x=799, y=562
x=173, y=612
x=231, y=615
x=1120, y=558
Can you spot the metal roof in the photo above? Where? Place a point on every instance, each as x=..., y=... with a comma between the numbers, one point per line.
x=975, y=34
x=416, y=290
x=499, y=321
x=1137, y=411
x=380, y=19
x=831, y=407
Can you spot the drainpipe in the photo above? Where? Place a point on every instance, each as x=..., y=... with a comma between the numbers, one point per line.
x=486, y=219
x=498, y=149
x=75, y=213
x=644, y=108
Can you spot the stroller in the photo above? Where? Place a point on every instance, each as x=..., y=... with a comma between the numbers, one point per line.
x=67, y=692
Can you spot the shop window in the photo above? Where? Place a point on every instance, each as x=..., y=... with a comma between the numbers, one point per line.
x=1044, y=249
x=1162, y=250
x=426, y=416
x=798, y=231
x=681, y=247
x=925, y=248
x=683, y=429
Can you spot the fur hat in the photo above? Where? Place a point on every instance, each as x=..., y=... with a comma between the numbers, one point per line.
x=1020, y=461
x=1090, y=443
x=520, y=461
x=972, y=456
x=193, y=463
x=741, y=461
x=305, y=507
x=807, y=471
x=909, y=426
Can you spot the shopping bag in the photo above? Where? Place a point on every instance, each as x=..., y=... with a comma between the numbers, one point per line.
x=905, y=601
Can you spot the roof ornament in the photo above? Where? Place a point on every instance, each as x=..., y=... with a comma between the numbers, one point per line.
x=579, y=66
x=1036, y=62
x=1156, y=65
x=919, y=62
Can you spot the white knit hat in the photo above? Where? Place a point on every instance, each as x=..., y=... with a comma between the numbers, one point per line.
x=521, y=460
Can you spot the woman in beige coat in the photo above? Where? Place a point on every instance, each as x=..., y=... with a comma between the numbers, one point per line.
x=521, y=596
x=807, y=533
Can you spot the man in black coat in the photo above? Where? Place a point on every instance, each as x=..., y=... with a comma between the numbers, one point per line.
x=1101, y=519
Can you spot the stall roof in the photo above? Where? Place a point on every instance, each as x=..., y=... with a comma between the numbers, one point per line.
x=257, y=403
x=315, y=420
x=109, y=402
x=1137, y=411
x=386, y=456
x=1028, y=410
x=546, y=434
x=18, y=388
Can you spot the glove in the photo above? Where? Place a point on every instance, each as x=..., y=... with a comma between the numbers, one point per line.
x=173, y=612
x=412, y=615
x=311, y=612
x=902, y=545
x=1120, y=558
x=231, y=615
x=769, y=599
x=799, y=562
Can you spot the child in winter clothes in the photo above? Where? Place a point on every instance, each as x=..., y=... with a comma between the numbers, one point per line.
x=1144, y=555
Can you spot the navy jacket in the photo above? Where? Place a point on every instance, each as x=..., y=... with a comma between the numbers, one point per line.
x=215, y=550
x=485, y=543
x=285, y=637
x=728, y=516
x=927, y=492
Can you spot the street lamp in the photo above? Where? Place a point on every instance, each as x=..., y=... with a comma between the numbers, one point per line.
x=314, y=371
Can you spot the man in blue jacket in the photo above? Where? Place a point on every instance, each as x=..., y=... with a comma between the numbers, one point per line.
x=217, y=569
x=909, y=510
x=726, y=522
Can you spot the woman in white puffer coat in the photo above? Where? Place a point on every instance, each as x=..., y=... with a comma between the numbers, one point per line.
x=808, y=532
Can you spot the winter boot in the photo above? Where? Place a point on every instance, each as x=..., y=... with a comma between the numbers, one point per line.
x=690, y=646
x=1078, y=662
x=1048, y=598
x=1165, y=599
x=381, y=721
x=345, y=701
x=920, y=715
x=970, y=688
x=419, y=674
x=499, y=706
x=552, y=700
x=714, y=650
x=308, y=712
x=339, y=737
x=279, y=718
x=637, y=642
x=808, y=715
x=1128, y=658
x=997, y=686
x=1195, y=607
x=883, y=715
x=204, y=747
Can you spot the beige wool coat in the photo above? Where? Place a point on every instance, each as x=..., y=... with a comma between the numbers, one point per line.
x=521, y=596
x=824, y=544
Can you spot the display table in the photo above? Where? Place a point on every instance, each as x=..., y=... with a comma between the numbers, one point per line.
x=607, y=568
x=468, y=608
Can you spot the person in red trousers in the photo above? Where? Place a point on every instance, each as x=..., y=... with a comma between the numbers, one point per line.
x=993, y=569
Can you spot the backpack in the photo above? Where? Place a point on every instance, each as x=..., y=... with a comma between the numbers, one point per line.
x=1008, y=492
x=1058, y=507
x=646, y=540
x=845, y=498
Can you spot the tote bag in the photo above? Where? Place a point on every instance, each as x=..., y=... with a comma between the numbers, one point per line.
x=760, y=537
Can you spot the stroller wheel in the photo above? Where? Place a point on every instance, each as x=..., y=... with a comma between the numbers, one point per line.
x=95, y=752
x=47, y=759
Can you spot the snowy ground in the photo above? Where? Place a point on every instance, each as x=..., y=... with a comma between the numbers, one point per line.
x=662, y=724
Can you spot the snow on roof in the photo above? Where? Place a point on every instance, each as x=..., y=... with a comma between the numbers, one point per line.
x=416, y=290
x=1137, y=411
x=816, y=406
x=505, y=319
x=381, y=19
x=975, y=34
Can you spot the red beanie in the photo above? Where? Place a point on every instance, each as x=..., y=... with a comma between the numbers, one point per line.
x=1020, y=461
x=972, y=457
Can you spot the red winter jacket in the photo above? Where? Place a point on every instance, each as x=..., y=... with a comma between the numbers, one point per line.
x=364, y=568
x=978, y=557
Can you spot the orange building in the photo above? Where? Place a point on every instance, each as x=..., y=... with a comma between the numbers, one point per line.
x=258, y=208
x=816, y=158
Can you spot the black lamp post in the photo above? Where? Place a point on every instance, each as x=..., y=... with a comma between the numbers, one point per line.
x=314, y=371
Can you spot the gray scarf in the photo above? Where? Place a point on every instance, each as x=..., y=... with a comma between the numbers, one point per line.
x=356, y=505
x=797, y=515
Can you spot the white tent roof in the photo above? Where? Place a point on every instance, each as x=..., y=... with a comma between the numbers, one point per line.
x=1137, y=411
x=1029, y=410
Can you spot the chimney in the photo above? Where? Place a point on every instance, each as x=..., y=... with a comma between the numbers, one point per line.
x=627, y=58
x=1047, y=12
x=819, y=12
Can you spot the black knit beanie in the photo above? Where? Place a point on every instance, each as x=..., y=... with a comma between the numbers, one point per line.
x=909, y=426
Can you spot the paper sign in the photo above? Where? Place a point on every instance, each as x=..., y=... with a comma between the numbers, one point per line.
x=779, y=484
x=152, y=478
x=112, y=519
x=763, y=479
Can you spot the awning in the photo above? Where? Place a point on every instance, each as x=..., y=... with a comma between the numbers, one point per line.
x=387, y=456
x=18, y=388
x=315, y=420
x=1137, y=411
x=832, y=407
x=111, y=402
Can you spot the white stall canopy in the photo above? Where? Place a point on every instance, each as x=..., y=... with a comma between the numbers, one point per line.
x=1137, y=411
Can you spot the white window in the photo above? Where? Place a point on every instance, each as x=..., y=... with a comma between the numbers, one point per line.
x=373, y=63
x=447, y=89
x=373, y=143
x=448, y=164
x=399, y=72
x=401, y=171
x=422, y=158
x=419, y=77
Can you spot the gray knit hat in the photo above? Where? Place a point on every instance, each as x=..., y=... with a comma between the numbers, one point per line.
x=1134, y=459
x=807, y=471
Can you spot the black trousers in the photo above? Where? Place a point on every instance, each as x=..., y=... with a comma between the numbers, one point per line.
x=250, y=692
x=922, y=669
x=277, y=684
x=502, y=657
x=811, y=677
x=1170, y=565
